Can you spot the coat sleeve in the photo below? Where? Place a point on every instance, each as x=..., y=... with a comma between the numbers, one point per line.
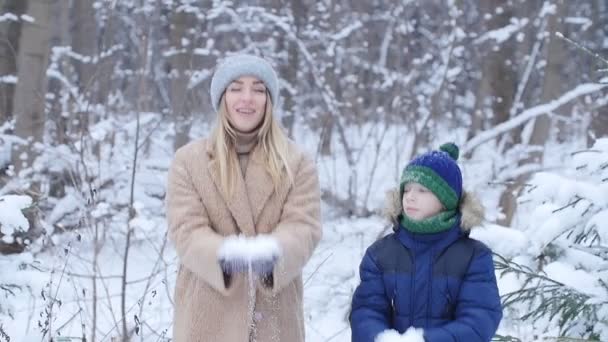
x=189, y=230
x=478, y=308
x=371, y=308
x=299, y=229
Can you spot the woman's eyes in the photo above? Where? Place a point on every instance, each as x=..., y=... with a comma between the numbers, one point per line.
x=237, y=89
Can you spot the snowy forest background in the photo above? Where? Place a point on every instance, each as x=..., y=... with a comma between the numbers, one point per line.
x=95, y=96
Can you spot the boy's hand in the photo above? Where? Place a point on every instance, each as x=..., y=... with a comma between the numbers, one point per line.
x=410, y=335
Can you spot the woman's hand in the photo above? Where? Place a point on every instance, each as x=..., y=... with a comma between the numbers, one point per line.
x=259, y=265
x=240, y=254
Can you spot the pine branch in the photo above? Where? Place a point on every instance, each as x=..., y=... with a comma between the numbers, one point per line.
x=570, y=204
x=508, y=338
x=508, y=266
x=546, y=297
x=598, y=251
x=568, y=339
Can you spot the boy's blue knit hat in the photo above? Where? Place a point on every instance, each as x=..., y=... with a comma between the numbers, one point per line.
x=236, y=66
x=438, y=172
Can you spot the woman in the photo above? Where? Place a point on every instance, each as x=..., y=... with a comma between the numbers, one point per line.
x=243, y=209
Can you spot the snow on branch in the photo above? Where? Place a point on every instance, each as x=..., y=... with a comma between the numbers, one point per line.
x=8, y=17
x=557, y=276
x=504, y=33
x=531, y=113
x=345, y=32
x=13, y=17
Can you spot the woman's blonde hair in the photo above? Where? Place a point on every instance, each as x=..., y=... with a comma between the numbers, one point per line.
x=271, y=140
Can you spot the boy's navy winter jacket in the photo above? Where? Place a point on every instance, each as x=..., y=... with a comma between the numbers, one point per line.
x=443, y=283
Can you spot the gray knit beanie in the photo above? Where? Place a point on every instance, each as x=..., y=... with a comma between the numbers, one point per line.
x=236, y=66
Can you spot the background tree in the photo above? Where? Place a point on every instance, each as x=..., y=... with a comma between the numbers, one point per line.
x=30, y=92
x=108, y=90
x=10, y=28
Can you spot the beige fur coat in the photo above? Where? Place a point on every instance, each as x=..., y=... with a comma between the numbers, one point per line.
x=199, y=217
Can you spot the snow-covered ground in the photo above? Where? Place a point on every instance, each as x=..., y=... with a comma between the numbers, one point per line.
x=330, y=279
x=76, y=284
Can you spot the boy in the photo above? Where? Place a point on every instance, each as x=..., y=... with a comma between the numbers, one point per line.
x=428, y=281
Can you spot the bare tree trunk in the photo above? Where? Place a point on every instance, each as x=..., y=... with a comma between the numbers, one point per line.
x=598, y=127
x=9, y=47
x=57, y=122
x=84, y=42
x=105, y=67
x=84, y=35
x=553, y=81
x=327, y=128
x=29, y=100
x=497, y=86
x=290, y=72
x=332, y=78
x=477, y=118
x=180, y=64
x=61, y=32
x=552, y=85
x=501, y=76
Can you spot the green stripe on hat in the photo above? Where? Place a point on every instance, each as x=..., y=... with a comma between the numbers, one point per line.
x=432, y=181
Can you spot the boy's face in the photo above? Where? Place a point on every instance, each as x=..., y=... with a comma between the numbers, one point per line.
x=419, y=202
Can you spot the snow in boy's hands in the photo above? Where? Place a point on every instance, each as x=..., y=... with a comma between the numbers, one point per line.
x=413, y=335
x=388, y=336
x=410, y=335
x=239, y=253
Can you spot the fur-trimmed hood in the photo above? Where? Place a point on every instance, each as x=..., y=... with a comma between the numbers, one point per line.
x=470, y=207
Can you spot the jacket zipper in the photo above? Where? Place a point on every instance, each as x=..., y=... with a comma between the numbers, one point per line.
x=413, y=288
x=430, y=289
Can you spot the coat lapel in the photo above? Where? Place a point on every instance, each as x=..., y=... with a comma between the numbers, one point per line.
x=238, y=203
x=258, y=183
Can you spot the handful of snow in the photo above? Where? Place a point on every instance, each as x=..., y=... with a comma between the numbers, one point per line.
x=410, y=335
x=249, y=248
